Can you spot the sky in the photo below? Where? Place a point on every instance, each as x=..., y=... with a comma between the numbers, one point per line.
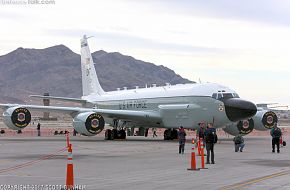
x=241, y=44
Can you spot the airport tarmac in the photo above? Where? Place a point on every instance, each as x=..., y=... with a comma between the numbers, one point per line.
x=140, y=163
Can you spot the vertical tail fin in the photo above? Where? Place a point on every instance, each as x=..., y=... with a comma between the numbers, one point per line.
x=90, y=81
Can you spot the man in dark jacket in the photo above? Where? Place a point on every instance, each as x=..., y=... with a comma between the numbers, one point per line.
x=276, y=134
x=181, y=139
x=211, y=139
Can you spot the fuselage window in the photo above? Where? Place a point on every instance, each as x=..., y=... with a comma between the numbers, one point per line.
x=214, y=95
x=219, y=96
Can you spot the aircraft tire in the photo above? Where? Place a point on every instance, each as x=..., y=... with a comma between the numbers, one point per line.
x=146, y=132
x=123, y=134
x=174, y=134
x=167, y=134
x=114, y=134
x=108, y=134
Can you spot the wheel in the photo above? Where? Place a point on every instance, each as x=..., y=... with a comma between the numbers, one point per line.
x=146, y=132
x=108, y=134
x=123, y=134
x=114, y=134
x=174, y=134
x=167, y=134
x=119, y=135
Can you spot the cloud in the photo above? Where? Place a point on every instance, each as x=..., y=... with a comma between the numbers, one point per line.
x=264, y=11
x=239, y=43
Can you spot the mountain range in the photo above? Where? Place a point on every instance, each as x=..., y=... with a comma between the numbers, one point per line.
x=57, y=70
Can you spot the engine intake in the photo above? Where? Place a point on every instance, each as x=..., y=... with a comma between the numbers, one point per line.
x=17, y=118
x=246, y=126
x=89, y=124
x=269, y=119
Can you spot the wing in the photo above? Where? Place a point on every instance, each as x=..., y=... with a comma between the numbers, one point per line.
x=75, y=100
x=116, y=114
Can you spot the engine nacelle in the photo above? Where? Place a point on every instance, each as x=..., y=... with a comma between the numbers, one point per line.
x=16, y=118
x=89, y=123
x=242, y=127
x=265, y=120
x=262, y=121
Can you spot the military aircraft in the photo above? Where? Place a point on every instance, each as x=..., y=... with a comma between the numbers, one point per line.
x=167, y=106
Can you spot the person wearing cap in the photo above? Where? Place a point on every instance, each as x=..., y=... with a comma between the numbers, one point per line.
x=181, y=139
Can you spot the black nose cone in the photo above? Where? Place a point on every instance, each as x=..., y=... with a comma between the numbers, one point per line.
x=238, y=109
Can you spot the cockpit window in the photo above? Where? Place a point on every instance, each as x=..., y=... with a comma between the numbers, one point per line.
x=236, y=95
x=222, y=94
x=227, y=95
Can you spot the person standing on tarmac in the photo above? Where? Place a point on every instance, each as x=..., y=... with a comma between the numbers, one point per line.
x=181, y=139
x=276, y=134
x=211, y=139
x=74, y=132
x=38, y=129
x=200, y=134
x=154, y=132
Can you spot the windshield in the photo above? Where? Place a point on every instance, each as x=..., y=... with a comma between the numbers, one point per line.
x=224, y=95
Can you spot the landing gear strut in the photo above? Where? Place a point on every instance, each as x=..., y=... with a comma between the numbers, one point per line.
x=170, y=134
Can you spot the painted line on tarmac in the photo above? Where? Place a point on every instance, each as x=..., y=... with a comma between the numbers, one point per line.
x=256, y=180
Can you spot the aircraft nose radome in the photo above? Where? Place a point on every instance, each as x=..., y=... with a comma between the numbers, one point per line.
x=238, y=109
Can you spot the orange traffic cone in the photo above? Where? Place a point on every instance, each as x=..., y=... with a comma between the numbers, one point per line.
x=202, y=156
x=198, y=147
x=70, y=167
x=193, y=157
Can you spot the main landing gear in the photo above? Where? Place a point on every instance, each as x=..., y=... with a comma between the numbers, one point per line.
x=115, y=134
x=170, y=134
x=118, y=131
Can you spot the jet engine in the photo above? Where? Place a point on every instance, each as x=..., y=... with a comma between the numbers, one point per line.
x=89, y=123
x=265, y=120
x=17, y=118
x=262, y=121
x=242, y=127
